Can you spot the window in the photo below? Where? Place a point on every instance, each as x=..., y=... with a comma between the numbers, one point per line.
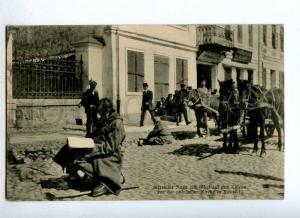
x=265, y=34
x=227, y=73
x=281, y=39
x=228, y=35
x=250, y=76
x=240, y=33
x=273, y=78
x=264, y=78
x=161, y=77
x=135, y=71
x=274, y=38
x=181, y=72
x=281, y=80
x=250, y=35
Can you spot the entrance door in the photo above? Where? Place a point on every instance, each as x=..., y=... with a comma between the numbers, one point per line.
x=204, y=73
x=161, y=77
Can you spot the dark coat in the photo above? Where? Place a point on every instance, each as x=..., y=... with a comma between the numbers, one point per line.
x=104, y=162
x=147, y=100
x=89, y=98
x=183, y=96
x=108, y=139
x=160, y=135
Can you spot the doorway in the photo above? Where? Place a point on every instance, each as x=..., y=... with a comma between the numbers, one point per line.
x=204, y=73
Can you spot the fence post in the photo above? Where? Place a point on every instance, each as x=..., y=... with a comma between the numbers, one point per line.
x=90, y=49
x=10, y=104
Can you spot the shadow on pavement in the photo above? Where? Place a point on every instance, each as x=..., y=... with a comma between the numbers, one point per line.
x=273, y=186
x=258, y=176
x=199, y=150
x=182, y=135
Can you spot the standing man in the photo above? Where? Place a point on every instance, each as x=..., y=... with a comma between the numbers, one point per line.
x=204, y=94
x=146, y=104
x=202, y=116
x=90, y=101
x=183, y=96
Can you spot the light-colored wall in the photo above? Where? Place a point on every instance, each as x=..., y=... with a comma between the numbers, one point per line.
x=131, y=102
x=92, y=64
x=273, y=59
x=173, y=33
x=107, y=67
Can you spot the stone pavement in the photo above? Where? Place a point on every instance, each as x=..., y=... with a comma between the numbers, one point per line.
x=72, y=130
x=190, y=168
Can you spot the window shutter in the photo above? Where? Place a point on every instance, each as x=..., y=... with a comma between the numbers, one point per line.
x=161, y=76
x=131, y=71
x=139, y=71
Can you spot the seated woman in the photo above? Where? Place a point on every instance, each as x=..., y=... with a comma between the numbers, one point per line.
x=102, y=163
x=160, y=135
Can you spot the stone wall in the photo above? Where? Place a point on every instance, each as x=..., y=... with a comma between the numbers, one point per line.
x=50, y=114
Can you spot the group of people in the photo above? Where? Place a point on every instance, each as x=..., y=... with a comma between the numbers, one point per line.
x=102, y=164
x=172, y=105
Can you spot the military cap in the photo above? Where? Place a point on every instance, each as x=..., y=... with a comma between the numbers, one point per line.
x=92, y=83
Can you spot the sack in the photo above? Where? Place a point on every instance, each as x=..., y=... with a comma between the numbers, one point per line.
x=80, y=142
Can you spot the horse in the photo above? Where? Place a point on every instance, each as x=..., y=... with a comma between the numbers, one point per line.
x=202, y=110
x=229, y=110
x=260, y=104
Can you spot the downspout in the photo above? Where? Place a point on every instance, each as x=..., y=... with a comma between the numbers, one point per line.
x=117, y=71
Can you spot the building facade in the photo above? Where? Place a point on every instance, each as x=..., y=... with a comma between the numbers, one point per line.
x=249, y=52
x=272, y=60
x=121, y=57
x=162, y=55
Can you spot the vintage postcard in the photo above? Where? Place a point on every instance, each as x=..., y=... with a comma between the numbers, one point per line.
x=145, y=112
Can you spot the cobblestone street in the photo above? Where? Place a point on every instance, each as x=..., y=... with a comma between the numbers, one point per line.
x=190, y=168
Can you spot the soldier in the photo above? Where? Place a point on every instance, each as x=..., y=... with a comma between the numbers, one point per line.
x=147, y=104
x=90, y=102
x=182, y=104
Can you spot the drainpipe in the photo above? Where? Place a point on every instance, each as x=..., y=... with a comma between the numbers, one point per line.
x=117, y=69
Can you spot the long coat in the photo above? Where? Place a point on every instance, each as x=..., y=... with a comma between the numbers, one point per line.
x=147, y=103
x=104, y=162
x=90, y=97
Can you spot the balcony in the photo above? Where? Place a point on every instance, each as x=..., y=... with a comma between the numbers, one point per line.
x=214, y=35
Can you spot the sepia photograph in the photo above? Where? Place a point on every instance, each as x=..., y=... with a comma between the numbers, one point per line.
x=145, y=112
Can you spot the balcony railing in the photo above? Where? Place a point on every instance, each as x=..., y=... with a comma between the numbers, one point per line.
x=212, y=34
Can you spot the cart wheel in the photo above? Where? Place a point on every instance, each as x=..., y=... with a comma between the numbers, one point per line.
x=270, y=130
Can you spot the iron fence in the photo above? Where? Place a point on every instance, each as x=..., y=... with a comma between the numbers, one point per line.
x=53, y=77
